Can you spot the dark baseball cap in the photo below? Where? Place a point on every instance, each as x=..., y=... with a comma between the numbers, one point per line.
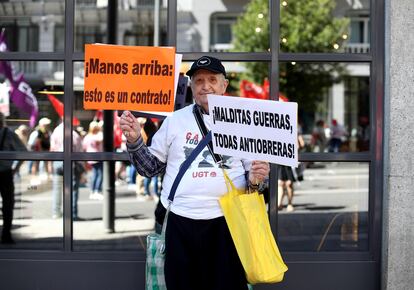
x=208, y=63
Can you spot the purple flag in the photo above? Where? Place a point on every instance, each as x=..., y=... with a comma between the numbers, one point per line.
x=5, y=67
x=20, y=93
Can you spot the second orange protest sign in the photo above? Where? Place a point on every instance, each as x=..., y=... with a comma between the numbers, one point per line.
x=134, y=78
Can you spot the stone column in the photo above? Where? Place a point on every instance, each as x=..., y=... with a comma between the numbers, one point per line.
x=398, y=228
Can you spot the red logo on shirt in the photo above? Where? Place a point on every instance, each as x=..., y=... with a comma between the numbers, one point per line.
x=191, y=138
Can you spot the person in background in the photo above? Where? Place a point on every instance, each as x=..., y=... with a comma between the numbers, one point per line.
x=39, y=140
x=286, y=179
x=363, y=134
x=319, y=137
x=23, y=133
x=93, y=142
x=287, y=176
x=9, y=141
x=337, y=133
x=200, y=253
x=56, y=144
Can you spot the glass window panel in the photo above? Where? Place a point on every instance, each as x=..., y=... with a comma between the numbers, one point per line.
x=139, y=23
x=30, y=25
x=241, y=26
x=336, y=26
x=28, y=87
x=134, y=210
x=329, y=209
x=36, y=215
x=327, y=93
x=90, y=23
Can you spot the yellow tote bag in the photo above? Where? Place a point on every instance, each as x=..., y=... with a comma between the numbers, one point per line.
x=249, y=226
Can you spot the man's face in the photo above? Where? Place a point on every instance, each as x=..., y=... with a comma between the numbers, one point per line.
x=206, y=82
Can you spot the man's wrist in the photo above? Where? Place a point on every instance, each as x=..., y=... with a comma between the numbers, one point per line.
x=259, y=186
x=132, y=146
x=133, y=141
x=253, y=186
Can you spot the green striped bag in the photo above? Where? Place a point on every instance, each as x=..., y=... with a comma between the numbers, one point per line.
x=155, y=278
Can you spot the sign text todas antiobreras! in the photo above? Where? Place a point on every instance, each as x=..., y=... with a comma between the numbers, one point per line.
x=254, y=129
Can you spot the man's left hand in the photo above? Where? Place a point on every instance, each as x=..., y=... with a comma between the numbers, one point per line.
x=258, y=172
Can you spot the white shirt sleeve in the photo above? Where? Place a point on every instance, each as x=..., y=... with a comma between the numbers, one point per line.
x=161, y=141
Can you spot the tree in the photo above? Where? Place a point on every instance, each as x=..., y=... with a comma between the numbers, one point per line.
x=305, y=26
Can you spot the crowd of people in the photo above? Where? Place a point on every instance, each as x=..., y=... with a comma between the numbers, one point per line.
x=45, y=138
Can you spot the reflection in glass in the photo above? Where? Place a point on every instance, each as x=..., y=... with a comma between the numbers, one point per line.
x=135, y=201
x=324, y=26
x=241, y=80
x=139, y=23
x=217, y=26
x=33, y=25
x=28, y=199
x=329, y=211
x=333, y=104
x=35, y=103
x=89, y=124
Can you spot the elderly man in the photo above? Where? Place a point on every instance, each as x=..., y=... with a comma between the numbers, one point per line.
x=200, y=253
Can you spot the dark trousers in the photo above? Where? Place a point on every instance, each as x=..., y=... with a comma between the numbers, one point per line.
x=200, y=254
x=7, y=196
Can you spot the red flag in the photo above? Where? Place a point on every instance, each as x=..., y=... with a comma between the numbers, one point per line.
x=117, y=127
x=98, y=115
x=59, y=108
x=251, y=90
x=117, y=132
x=283, y=98
x=266, y=89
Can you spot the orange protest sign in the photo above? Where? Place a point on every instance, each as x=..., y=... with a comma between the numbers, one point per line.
x=136, y=78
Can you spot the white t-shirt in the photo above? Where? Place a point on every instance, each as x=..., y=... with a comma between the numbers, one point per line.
x=203, y=183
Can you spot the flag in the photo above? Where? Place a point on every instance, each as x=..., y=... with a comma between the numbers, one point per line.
x=117, y=127
x=20, y=91
x=59, y=108
x=5, y=66
x=117, y=132
x=21, y=95
x=251, y=90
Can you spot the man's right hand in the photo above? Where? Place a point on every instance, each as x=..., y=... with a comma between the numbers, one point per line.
x=130, y=127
